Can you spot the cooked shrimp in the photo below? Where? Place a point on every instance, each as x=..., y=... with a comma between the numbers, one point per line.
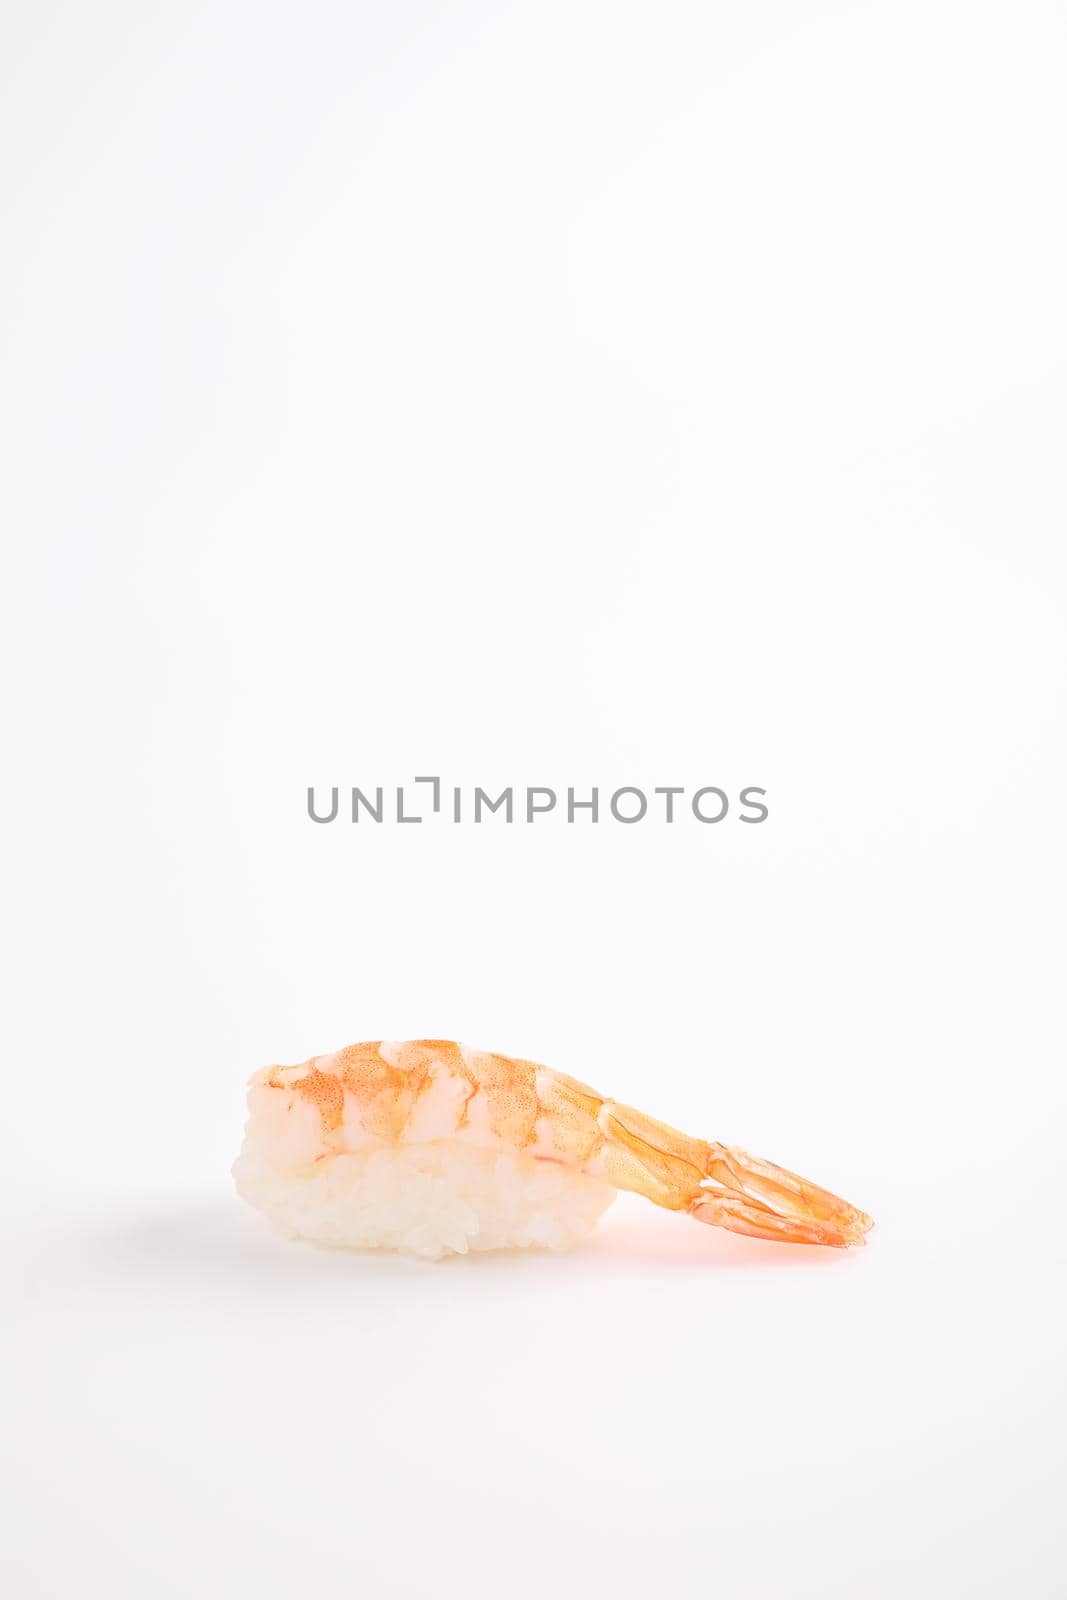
x=336, y=1144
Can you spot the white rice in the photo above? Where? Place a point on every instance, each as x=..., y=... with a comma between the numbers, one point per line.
x=428, y=1200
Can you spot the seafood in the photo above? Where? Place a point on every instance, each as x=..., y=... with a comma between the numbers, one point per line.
x=432, y=1148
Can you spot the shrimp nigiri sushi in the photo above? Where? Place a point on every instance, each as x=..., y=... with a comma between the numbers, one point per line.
x=432, y=1148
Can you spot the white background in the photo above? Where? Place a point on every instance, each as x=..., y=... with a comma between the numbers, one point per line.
x=554, y=393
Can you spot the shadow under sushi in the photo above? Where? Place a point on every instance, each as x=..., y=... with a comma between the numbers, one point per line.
x=219, y=1247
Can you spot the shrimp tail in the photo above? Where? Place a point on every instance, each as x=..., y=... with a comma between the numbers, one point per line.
x=720, y=1184
x=755, y=1197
